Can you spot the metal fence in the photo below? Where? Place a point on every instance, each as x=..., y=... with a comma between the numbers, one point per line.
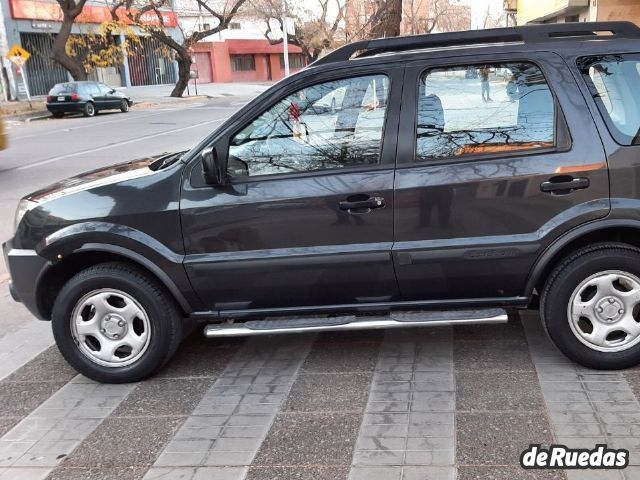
x=42, y=72
x=150, y=65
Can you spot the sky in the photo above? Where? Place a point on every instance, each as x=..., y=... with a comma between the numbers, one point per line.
x=479, y=10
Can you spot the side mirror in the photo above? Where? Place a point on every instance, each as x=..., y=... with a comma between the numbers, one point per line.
x=213, y=167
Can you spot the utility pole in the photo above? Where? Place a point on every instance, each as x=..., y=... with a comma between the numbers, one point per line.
x=285, y=45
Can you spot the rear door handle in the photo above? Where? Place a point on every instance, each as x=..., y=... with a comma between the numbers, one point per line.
x=564, y=184
x=367, y=203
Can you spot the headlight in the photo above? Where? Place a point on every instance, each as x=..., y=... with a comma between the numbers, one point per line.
x=23, y=207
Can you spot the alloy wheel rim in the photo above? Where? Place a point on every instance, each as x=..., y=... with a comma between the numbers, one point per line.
x=604, y=311
x=110, y=328
x=125, y=105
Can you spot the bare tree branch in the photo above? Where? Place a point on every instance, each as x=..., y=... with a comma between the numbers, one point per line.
x=182, y=49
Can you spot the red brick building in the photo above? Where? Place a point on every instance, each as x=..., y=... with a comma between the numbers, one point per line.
x=239, y=60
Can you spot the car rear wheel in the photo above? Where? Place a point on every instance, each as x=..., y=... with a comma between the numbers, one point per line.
x=124, y=106
x=591, y=306
x=57, y=114
x=89, y=109
x=113, y=323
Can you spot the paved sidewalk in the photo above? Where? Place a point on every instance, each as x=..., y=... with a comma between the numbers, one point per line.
x=160, y=93
x=417, y=404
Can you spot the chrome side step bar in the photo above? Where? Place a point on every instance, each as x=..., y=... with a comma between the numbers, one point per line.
x=352, y=322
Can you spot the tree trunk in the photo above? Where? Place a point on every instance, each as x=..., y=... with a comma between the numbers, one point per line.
x=59, y=50
x=184, y=72
x=386, y=19
x=394, y=17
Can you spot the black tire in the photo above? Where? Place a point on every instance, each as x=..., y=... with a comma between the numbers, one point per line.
x=89, y=109
x=57, y=114
x=124, y=106
x=557, y=293
x=164, y=317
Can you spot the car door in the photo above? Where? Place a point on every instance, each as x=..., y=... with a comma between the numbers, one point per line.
x=93, y=91
x=307, y=220
x=492, y=167
x=107, y=97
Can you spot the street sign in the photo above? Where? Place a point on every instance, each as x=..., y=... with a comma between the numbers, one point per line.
x=18, y=55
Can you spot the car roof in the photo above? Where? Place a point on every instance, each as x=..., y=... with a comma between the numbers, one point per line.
x=564, y=37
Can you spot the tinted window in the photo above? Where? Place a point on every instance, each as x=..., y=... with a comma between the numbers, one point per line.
x=331, y=125
x=243, y=63
x=613, y=82
x=63, y=88
x=476, y=109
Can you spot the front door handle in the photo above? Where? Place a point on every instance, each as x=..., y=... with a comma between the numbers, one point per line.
x=564, y=184
x=362, y=202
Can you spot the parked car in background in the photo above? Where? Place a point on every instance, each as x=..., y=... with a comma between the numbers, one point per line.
x=377, y=181
x=87, y=98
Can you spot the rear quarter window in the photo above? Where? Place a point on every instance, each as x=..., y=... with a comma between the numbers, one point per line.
x=613, y=82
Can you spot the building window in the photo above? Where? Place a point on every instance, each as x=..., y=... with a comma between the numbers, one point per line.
x=243, y=63
x=572, y=18
x=296, y=60
x=234, y=26
x=205, y=27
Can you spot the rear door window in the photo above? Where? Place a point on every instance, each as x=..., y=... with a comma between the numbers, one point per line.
x=493, y=108
x=613, y=83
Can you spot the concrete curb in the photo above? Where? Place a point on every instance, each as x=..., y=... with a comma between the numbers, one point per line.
x=38, y=117
x=25, y=117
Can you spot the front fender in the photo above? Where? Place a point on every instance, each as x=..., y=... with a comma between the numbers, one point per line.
x=126, y=242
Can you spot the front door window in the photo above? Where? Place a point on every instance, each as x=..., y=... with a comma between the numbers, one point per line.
x=331, y=125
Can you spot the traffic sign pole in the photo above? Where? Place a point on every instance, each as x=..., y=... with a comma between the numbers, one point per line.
x=25, y=79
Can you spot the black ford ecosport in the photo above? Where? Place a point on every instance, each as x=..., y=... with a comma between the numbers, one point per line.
x=397, y=182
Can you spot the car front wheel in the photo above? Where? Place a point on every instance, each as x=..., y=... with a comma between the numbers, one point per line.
x=115, y=324
x=591, y=306
x=124, y=106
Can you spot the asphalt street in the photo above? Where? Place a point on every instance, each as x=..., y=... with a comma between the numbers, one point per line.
x=413, y=404
x=43, y=151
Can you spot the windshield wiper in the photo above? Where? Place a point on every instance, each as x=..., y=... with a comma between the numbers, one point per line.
x=171, y=159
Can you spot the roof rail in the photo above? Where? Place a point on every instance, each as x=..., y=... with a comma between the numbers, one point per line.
x=525, y=34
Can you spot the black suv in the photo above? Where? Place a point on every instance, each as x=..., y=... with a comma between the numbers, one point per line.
x=383, y=186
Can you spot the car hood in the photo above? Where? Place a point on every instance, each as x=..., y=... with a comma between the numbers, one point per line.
x=99, y=177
